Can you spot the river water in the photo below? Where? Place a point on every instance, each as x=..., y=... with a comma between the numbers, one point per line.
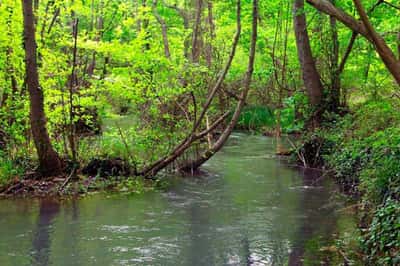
x=250, y=209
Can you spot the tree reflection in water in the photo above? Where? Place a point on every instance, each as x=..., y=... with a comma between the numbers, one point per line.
x=41, y=244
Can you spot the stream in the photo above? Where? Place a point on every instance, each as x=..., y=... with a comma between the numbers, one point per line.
x=250, y=209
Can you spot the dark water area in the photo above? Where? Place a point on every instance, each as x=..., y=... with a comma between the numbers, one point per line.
x=251, y=209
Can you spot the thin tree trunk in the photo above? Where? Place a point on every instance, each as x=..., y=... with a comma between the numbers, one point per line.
x=186, y=23
x=386, y=54
x=194, y=165
x=72, y=88
x=347, y=52
x=211, y=31
x=164, y=30
x=365, y=29
x=334, y=94
x=50, y=164
x=196, y=38
x=311, y=77
x=398, y=45
x=145, y=28
x=53, y=20
x=179, y=150
x=10, y=69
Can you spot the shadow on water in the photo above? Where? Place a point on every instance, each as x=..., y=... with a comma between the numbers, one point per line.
x=201, y=252
x=49, y=209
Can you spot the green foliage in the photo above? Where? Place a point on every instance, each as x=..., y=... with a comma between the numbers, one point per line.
x=368, y=149
x=374, y=116
x=382, y=239
x=9, y=170
x=256, y=118
x=366, y=154
x=132, y=186
x=294, y=113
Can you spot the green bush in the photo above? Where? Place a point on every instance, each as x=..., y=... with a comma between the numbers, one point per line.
x=366, y=154
x=295, y=112
x=382, y=240
x=380, y=178
x=255, y=118
x=8, y=170
x=374, y=116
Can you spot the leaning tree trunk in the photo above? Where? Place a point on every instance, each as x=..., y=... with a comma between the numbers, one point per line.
x=151, y=170
x=49, y=160
x=364, y=28
x=195, y=164
x=311, y=77
x=384, y=51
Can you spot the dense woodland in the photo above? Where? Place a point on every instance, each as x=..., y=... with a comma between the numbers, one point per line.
x=138, y=88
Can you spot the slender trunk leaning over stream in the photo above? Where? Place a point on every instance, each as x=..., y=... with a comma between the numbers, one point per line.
x=151, y=170
x=195, y=164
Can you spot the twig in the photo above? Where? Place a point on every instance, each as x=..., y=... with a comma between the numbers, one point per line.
x=299, y=154
x=67, y=180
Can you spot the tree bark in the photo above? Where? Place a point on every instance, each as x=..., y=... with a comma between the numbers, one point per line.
x=398, y=45
x=50, y=164
x=311, y=77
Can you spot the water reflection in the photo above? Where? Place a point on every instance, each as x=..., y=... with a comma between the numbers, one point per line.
x=250, y=210
x=318, y=223
x=41, y=244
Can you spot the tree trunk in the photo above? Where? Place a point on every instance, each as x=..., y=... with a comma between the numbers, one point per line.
x=194, y=165
x=164, y=30
x=50, y=164
x=157, y=166
x=211, y=30
x=184, y=14
x=347, y=52
x=334, y=93
x=311, y=77
x=365, y=29
x=398, y=45
x=196, y=37
x=386, y=54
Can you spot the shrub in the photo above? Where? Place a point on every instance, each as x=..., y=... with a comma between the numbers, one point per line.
x=382, y=240
x=256, y=117
x=8, y=170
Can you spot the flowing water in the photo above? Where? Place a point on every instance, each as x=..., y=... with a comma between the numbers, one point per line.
x=251, y=209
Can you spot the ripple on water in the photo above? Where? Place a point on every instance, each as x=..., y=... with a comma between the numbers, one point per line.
x=247, y=210
x=124, y=229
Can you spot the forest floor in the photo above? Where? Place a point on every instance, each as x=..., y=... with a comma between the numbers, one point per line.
x=65, y=186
